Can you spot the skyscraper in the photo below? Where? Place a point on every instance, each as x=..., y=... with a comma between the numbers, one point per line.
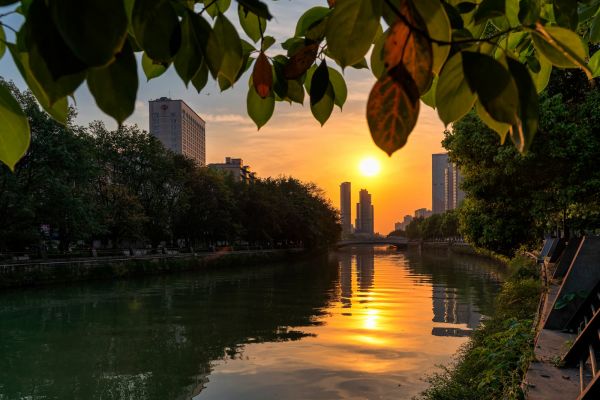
x=365, y=213
x=179, y=128
x=445, y=190
x=346, y=207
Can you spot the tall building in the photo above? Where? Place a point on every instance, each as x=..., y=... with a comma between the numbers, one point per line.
x=179, y=128
x=446, y=194
x=401, y=226
x=365, y=214
x=236, y=168
x=346, y=207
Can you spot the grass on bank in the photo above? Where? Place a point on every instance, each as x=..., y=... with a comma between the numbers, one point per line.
x=492, y=364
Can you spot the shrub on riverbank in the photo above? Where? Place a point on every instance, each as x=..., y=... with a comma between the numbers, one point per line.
x=491, y=365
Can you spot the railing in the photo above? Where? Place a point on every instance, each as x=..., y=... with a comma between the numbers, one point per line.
x=584, y=351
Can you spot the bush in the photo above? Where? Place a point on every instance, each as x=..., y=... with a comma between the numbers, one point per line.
x=492, y=364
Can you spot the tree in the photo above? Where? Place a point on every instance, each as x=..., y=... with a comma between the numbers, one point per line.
x=512, y=199
x=496, y=55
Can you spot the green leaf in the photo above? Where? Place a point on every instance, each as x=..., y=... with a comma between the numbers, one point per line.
x=194, y=35
x=2, y=41
x=541, y=78
x=429, y=97
x=351, y=29
x=561, y=47
x=152, y=69
x=94, y=30
x=393, y=109
x=594, y=64
x=340, y=90
x=453, y=96
x=500, y=128
x=46, y=45
x=59, y=109
x=465, y=7
x=319, y=83
x=565, y=12
x=257, y=7
x=224, y=52
x=310, y=18
x=295, y=91
x=438, y=27
x=524, y=130
x=214, y=8
x=377, y=63
x=489, y=9
x=494, y=86
x=529, y=11
x=259, y=109
x=361, y=65
x=14, y=129
x=252, y=24
x=323, y=108
x=201, y=78
x=595, y=29
x=267, y=42
x=156, y=27
x=114, y=87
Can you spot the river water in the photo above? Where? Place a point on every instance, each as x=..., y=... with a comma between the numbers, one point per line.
x=361, y=323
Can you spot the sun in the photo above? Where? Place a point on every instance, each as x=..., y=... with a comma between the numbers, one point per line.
x=369, y=166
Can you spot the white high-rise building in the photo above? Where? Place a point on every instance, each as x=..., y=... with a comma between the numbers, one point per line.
x=179, y=128
x=445, y=185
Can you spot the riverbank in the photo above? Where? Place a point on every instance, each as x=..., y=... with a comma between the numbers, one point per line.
x=51, y=272
x=492, y=364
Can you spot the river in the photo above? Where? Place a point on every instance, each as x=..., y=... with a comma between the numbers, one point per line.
x=360, y=323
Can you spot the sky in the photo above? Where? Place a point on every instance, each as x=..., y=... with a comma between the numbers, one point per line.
x=292, y=143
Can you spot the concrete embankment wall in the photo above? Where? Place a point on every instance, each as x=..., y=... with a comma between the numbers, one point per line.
x=44, y=273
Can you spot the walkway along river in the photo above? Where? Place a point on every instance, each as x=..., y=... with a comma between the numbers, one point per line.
x=363, y=322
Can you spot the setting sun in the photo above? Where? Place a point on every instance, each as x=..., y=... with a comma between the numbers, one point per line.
x=369, y=166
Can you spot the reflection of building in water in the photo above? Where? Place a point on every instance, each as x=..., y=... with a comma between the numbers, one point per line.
x=448, y=308
x=365, y=268
x=346, y=280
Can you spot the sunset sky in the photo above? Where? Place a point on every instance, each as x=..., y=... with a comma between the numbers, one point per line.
x=293, y=142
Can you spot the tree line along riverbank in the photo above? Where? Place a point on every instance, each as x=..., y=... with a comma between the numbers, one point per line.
x=78, y=185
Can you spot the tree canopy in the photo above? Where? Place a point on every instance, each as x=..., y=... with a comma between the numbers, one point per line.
x=122, y=187
x=514, y=199
x=491, y=55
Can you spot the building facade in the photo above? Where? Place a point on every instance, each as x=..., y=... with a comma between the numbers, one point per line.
x=365, y=214
x=346, y=207
x=236, y=168
x=401, y=226
x=446, y=194
x=179, y=128
x=423, y=213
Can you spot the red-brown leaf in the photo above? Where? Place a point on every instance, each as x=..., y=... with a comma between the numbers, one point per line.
x=262, y=76
x=301, y=61
x=406, y=46
x=393, y=109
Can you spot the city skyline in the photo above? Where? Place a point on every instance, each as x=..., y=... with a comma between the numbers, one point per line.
x=292, y=143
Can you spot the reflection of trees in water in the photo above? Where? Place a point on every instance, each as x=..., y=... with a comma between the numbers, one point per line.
x=154, y=338
x=464, y=287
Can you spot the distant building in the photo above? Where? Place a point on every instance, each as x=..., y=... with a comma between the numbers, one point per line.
x=236, y=168
x=446, y=194
x=365, y=214
x=423, y=213
x=179, y=128
x=346, y=207
x=401, y=226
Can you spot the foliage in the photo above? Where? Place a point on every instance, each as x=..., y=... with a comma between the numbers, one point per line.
x=492, y=364
x=512, y=199
x=436, y=226
x=123, y=187
x=495, y=54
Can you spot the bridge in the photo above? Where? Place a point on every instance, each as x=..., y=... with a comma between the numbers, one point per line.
x=397, y=241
